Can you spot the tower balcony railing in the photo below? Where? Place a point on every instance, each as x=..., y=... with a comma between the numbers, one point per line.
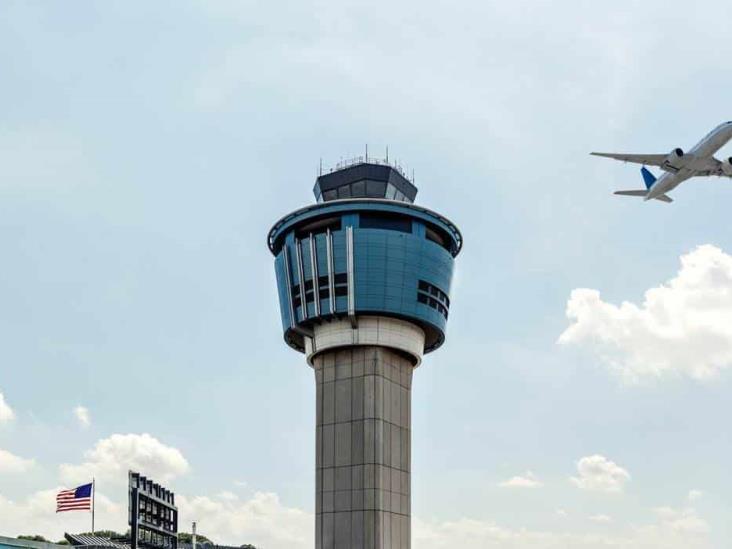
x=348, y=162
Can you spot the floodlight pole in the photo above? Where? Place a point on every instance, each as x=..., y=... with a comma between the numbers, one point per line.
x=94, y=501
x=193, y=535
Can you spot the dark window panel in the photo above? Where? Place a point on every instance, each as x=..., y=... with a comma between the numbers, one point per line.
x=385, y=221
x=358, y=189
x=438, y=236
x=390, y=191
x=319, y=226
x=375, y=189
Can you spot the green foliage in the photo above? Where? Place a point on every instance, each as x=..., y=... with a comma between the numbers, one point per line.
x=62, y=542
x=202, y=541
x=185, y=537
x=32, y=538
x=109, y=534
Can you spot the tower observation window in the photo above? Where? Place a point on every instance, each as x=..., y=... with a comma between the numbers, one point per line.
x=341, y=284
x=340, y=281
x=375, y=189
x=432, y=296
x=318, y=226
x=387, y=221
x=437, y=236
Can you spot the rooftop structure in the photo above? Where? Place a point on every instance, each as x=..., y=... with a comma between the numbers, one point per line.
x=15, y=543
x=84, y=541
x=363, y=280
x=365, y=179
x=88, y=541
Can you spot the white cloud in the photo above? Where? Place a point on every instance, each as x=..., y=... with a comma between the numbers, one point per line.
x=597, y=473
x=82, y=416
x=262, y=520
x=265, y=521
x=683, y=327
x=527, y=480
x=227, y=496
x=672, y=529
x=682, y=520
x=111, y=458
x=600, y=518
x=561, y=513
x=695, y=495
x=37, y=514
x=10, y=463
x=6, y=412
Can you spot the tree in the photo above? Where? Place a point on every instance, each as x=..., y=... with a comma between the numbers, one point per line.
x=109, y=534
x=186, y=537
x=247, y=546
x=32, y=538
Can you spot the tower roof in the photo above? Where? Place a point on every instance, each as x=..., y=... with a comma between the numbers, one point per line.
x=365, y=179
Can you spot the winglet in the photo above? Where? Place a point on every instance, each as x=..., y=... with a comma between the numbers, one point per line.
x=648, y=178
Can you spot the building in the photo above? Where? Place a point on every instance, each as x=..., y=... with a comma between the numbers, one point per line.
x=14, y=543
x=152, y=514
x=79, y=541
x=363, y=279
x=86, y=541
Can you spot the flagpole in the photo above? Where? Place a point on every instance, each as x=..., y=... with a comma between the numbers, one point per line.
x=94, y=500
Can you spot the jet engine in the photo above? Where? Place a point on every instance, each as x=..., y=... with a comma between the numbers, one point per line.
x=675, y=154
x=727, y=167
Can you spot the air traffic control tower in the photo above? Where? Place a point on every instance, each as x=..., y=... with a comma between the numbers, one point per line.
x=363, y=278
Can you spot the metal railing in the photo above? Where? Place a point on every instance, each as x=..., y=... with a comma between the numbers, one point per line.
x=347, y=163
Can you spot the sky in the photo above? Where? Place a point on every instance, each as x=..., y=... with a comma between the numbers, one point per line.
x=582, y=396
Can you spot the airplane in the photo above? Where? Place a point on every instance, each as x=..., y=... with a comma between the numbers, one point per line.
x=678, y=165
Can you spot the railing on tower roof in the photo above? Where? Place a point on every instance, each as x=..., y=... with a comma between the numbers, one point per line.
x=348, y=162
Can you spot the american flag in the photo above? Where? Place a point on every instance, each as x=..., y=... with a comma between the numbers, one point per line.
x=74, y=500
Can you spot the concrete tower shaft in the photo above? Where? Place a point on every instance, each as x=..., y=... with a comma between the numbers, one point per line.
x=363, y=448
x=363, y=282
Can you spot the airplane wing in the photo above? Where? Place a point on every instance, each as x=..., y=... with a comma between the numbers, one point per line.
x=712, y=167
x=646, y=159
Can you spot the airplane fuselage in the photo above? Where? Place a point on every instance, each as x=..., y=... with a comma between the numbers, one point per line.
x=699, y=158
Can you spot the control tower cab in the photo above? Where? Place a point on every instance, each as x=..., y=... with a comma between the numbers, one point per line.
x=364, y=249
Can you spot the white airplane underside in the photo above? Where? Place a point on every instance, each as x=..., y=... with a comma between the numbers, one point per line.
x=679, y=166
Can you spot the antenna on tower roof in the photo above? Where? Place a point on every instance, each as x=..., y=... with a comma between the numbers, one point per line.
x=387, y=154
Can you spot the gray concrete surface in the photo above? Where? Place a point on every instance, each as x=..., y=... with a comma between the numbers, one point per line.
x=363, y=449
